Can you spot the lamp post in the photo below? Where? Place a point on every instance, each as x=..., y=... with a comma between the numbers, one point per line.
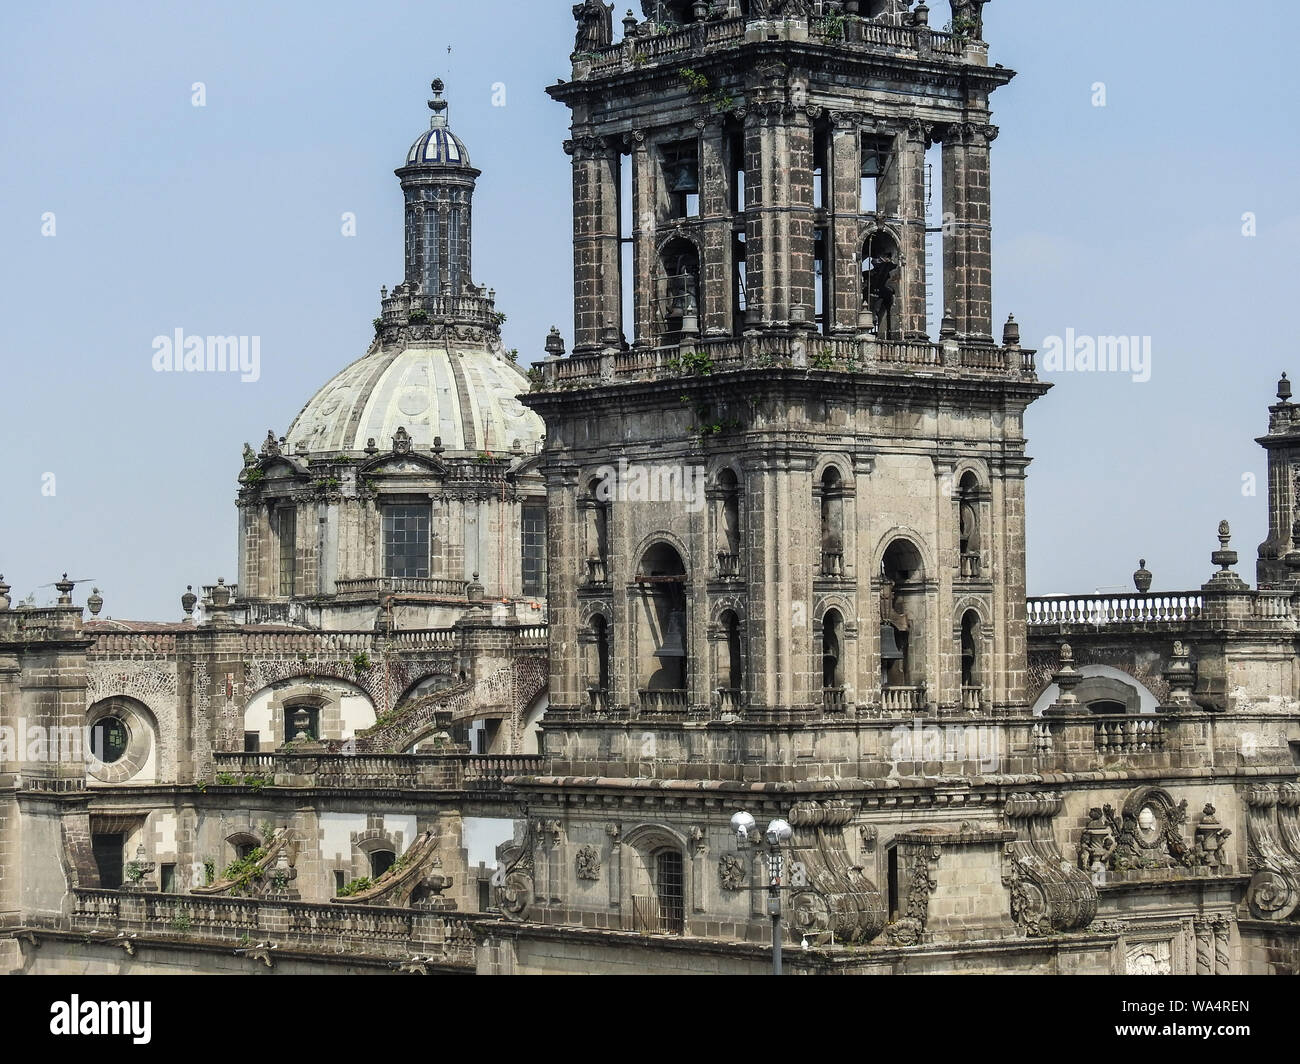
x=777, y=835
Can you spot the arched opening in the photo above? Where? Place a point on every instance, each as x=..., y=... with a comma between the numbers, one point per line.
x=731, y=670
x=969, y=532
x=880, y=274
x=1107, y=706
x=832, y=530
x=661, y=629
x=599, y=493
x=971, y=681
x=678, y=308
x=728, y=524
x=380, y=862
x=598, y=682
x=902, y=604
x=833, y=660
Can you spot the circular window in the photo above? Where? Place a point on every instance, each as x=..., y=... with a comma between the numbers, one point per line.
x=108, y=739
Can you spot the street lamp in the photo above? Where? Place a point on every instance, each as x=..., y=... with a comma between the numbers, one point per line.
x=777, y=835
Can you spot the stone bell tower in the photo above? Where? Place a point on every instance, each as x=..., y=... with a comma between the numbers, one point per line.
x=794, y=504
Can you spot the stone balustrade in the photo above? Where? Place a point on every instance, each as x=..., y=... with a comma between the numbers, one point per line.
x=370, y=586
x=335, y=928
x=766, y=350
x=1171, y=608
x=448, y=772
x=676, y=43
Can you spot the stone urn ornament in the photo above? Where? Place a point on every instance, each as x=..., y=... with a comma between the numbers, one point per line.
x=95, y=602
x=1142, y=577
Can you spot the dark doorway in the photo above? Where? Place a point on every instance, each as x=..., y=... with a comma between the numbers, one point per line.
x=380, y=862
x=108, y=851
x=669, y=887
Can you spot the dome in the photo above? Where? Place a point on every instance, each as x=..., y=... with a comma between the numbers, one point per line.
x=438, y=147
x=464, y=392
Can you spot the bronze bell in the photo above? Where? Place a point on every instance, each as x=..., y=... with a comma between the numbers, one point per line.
x=889, y=650
x=674, y=645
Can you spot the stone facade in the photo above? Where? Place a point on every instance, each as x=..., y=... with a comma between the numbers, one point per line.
x=783, y=578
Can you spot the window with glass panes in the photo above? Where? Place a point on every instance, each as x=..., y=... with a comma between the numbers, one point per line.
x=534, y=537
x=287, y=533
x=406, y=541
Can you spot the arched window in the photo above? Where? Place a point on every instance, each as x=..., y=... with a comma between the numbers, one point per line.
x=380, y=862
x=971, y=682
x=661, y=629
x=731, y=666
x=728, y=524
x=832, y=490
x=600, y=671
x=902, y=613
x=833, y=659
x=968, y=516
x=597, y=506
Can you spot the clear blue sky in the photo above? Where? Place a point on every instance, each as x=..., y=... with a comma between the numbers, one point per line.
x=226, y=220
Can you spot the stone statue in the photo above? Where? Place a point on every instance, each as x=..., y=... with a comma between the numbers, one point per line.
x=595, y=25
x=1097, y=844
x=250, y=455
x=1211, y=838
x=968, y=18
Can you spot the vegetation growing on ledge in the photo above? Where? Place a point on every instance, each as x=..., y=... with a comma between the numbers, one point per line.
x=703, y=88
x=692, y=364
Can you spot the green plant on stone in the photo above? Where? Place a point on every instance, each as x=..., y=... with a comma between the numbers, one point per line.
x=254, y=476
x=181, y=921
x=360, y=662
x=418, y=317
x=355, y=887
x=225, y=779
x=256, y=782
x=267, y=831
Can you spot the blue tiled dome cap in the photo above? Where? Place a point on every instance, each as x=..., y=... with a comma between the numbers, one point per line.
x=439, y=146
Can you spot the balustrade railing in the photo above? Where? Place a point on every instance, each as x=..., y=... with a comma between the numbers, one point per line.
x=972, y=696
x=1170, y=608
x=729, y=700
x=768, y=350
x=663, y=701
x=336, y=927
x=899, y=698
x=407, y=585
x=376, y=771
x=1128, y=735
x=834, y=699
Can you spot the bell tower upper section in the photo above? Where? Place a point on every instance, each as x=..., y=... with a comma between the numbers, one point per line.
x=761, y=165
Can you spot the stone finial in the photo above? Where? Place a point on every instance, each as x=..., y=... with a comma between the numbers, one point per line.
x=371, y=447
x=64, y=588
x=1067, y=678
x=1178, y=675
x=1284, y=390
x=401, y=441
x=438, y=105
x=221, y=593
x=1224, y=558
x=629, y=25
x=438, y=448
x=554, y=343
x=4, y=593
x=474, y=591
x=921, y=15
x=95, y=602
x=1011, y=332
x=1142, y=577
x=189, y=600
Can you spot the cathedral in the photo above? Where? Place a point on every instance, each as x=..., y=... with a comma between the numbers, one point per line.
x=712, y=626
